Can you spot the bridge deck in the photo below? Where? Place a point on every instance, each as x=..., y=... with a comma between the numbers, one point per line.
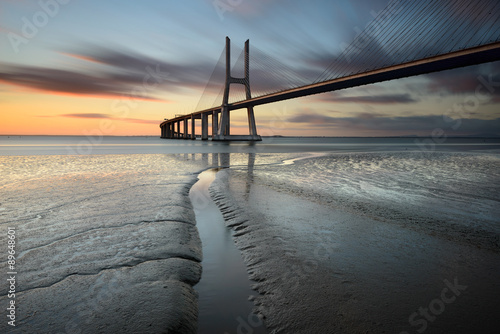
x=472, y=56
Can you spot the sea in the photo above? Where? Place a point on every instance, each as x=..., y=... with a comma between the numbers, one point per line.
x=90, y=145
x=122, y=234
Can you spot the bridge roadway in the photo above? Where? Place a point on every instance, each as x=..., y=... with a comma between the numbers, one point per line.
x=467, y=57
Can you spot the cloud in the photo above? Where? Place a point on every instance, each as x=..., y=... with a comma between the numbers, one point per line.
x=111, y=73
x=59, y=81
x=86, y=115
x=134, y=67
x=244, y=8
x=410, y=125
x=312, y=118
x=459, y=81
x=365, y=53
x=105, y=116
x=483, y=79
x=140, y=121
x=372, y=99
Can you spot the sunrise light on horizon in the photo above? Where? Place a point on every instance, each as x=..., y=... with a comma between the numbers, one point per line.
x=70, y=67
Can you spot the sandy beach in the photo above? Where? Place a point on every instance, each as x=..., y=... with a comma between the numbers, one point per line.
x=346, y=242
x=105, y=244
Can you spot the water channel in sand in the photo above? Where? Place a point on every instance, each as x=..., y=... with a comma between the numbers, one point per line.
x=224, y=287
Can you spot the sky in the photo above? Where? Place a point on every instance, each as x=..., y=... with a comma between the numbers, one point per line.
x=120, y=67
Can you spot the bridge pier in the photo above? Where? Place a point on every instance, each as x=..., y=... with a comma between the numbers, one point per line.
x=252, y=128
x=224, y=129
x=215, y=123
x=193, y=126
x=204, y=126
x=221, y=125
x=185, y=126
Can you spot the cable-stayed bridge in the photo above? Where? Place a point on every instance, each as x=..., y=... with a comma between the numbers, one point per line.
x=408, y=38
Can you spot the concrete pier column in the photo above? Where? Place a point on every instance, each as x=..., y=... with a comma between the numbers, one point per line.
x=204, y=126
x=223, y=129
x=186, y=136
x=193, y=128
x=252, y=128
x=215, y=123
x=224, y=122
x=178, y=129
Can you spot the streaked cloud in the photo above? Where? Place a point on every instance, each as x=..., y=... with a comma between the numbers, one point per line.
x=104, y=116
x=138, y=121
x=111, y=73
x=313, y=118
x=106, y=85
x=483, y=78
x=86, y=115
x=411, y=124
x=371, y=99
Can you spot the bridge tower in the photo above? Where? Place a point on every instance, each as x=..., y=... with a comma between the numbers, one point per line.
x=223, y=130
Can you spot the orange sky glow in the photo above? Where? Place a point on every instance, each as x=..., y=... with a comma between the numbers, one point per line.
x=123, y=74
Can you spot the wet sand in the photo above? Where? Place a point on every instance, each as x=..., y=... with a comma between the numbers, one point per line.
x=324, y=268
x=105, y=244
x=109, y=243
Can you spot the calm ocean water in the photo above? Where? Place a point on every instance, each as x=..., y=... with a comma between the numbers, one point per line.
x=85, y=145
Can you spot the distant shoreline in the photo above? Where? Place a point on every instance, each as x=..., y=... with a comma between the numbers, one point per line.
x=333, y=137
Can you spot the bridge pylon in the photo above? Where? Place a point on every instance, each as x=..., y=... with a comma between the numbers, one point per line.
x=223, y=129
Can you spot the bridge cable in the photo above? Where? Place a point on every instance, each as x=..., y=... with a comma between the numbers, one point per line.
x=215, y=80
x=415, y=33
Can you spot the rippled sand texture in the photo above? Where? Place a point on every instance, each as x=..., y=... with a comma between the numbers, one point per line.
x=104, y=243
x=399, y=242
